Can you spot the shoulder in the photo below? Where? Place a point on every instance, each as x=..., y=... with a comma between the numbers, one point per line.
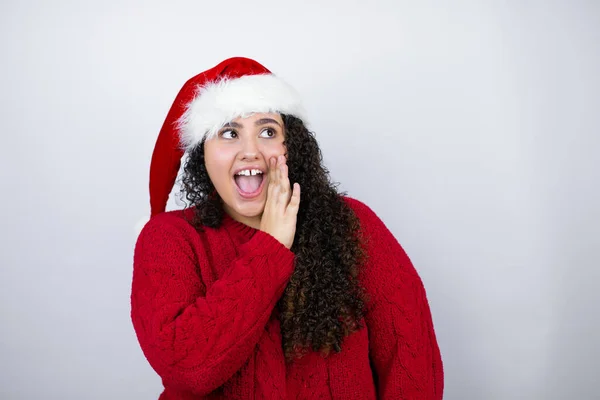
x=169, y=240
x=169, y=227
x=365, y=214
x=178, y=219
x=382, y=247
x=359, y=207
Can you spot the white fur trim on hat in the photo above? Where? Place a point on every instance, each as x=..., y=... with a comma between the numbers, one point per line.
x=218, y=103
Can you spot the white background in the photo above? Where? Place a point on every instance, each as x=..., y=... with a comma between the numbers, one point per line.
x=472, y=129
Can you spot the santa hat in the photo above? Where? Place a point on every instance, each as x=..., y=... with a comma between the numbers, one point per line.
x=237, y=87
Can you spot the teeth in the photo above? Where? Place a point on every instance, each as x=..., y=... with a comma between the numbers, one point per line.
x=248, y=172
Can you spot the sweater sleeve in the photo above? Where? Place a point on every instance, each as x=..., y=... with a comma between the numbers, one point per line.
x=403, y=346
x=196, y=339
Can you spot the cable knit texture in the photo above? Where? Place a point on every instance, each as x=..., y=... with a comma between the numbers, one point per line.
x=203, y=308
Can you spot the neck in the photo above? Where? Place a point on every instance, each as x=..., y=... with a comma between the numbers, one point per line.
x=253, y=222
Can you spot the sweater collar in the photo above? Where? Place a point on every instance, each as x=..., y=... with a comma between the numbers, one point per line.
x=239, y=231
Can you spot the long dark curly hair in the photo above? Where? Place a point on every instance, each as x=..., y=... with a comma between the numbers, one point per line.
x=323, y=301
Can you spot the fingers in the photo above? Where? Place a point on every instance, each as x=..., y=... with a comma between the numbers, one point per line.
x=279, y=216
x=272, y=172
x=279, y=191
x=294, y=200
x=271, y=184
x=284, y=181
x=278, y=175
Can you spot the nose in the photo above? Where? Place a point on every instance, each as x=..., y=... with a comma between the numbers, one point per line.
x=249, y=150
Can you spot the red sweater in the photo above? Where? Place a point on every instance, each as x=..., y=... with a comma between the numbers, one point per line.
x=202, y=308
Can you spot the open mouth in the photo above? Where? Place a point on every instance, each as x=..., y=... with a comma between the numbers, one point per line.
x=249, y=182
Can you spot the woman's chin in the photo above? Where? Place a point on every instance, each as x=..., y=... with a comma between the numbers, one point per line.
x=249, y=210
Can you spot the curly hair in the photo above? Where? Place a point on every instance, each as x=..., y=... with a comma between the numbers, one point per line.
x=323, y=301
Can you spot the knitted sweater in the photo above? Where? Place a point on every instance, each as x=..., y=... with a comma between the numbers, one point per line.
x=203, y=311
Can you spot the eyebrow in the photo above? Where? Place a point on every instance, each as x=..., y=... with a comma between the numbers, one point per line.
x=264, y=121
x=232, y=125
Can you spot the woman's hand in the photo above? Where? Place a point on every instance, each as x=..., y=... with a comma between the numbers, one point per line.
x=281, y=209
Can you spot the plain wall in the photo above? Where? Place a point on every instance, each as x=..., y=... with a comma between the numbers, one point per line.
x=471, y=128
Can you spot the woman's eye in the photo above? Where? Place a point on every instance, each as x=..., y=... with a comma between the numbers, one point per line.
x=228, y=134
x=268, y=133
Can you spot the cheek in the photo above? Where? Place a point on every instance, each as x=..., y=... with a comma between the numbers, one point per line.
x=273, y=150
x=218, y=163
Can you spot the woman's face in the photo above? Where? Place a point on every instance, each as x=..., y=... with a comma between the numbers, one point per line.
x=237, y=160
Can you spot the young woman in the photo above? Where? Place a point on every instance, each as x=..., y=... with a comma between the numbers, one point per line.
x=271, y=285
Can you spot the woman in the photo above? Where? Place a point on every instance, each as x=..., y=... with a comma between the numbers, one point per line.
x=272, y=285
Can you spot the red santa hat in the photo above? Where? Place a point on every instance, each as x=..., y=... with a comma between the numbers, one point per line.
x=237, y=87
